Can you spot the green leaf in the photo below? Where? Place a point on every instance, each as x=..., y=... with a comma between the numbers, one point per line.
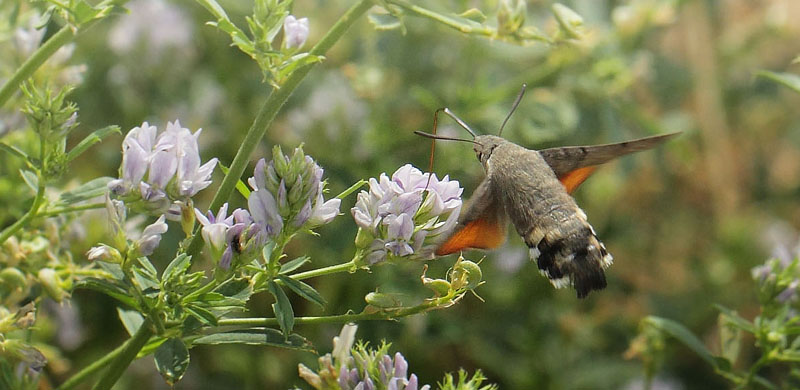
x=151, y=346
x=114, y=269
x=90, y=189
x=257, y=336
x=13, y=150
x=303, y=290
x=172, y=359
x=684, y=335
x=474, y=15
x=215, y=9
x=237, y=289
x=147, y=283
x=203, y=315
x=177, y=267
x=240, y=186
x=211, y=297
x=298, y=61
x=384, y=22
x=84, y=12
x=30, y=179
x=91, y=139
x=352, y=189
x=292, y=265
x=266, y=252
x=108, y=288
x=789, y=80
x=730, y=337
x=131, y=320
x=736, y=319
x=148, y=266
x=282, y=308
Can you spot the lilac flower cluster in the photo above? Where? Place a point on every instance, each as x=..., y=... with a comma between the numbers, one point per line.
x=360, y=368
x=289, y=191
x=779, y=277
x=403, y=216
x=163, y=171
x=393, y=375
x=287, y=197
x=143, y=244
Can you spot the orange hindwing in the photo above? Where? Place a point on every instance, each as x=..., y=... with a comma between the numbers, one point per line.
x=482, y=233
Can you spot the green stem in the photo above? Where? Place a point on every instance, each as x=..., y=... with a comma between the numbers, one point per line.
x=35, y=61
x=447, y=21
x=71, y=209
x=91, y=369
x=32, y=212
x=270, y=109
x=124, y=358
x=344, y=267
x=436, y=303
x=59, y=39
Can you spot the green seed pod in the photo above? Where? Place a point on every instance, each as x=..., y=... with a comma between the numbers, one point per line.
x=440, y=287
x=465, y=274
x=13, y=278
x=363, y=238
x=52, y=284
x=381, y=300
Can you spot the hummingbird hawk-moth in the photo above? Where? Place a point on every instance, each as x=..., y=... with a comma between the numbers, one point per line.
x=532, y=188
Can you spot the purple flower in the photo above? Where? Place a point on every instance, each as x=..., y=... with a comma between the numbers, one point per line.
x=789, y=294
x=288, y=194
x=151, y=236
x=264, y=209
x=136, y=149
x=215, y=227
x=229, y=235
x=105, y=253
x=162, y=170
x=352, y=368
x=403, y=216
x=295, y=31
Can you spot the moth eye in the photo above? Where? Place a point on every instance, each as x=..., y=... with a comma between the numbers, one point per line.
x=480, y=156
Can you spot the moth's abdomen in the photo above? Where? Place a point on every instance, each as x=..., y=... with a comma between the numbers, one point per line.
x=571, y=255
x=561, y=240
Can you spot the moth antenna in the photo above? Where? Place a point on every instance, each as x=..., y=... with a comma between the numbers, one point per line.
x=444, y=138
x=455, y=118
x=434, y=137
x=513, y=107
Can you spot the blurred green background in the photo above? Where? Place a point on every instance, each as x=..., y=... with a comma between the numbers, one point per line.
x=685, y=222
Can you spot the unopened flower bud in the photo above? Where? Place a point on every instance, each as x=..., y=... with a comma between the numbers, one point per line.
x=511, y=16
x=22, y=351
x=104, y=253
x=465, y=274
x=280, y=161
x=309, y=376
x=295, y=31
x=52, y=284
x=568, y=20
x=12, y=278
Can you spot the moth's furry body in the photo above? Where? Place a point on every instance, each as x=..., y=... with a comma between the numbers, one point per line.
x=544, y=214
x=532, y=188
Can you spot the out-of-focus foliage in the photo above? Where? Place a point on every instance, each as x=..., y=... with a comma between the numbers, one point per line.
x=685, y=223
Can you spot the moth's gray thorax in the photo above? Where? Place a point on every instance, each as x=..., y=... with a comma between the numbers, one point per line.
x=534, y=199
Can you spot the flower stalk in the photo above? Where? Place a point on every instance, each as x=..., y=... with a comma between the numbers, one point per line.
x=268, y=112
x=129, y=351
